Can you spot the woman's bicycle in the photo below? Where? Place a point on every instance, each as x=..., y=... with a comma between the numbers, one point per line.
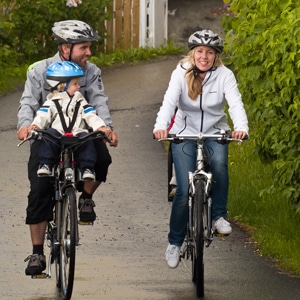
x=200, y=232
x=62, y=233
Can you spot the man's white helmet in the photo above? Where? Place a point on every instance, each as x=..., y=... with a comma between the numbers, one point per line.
x=73, y=32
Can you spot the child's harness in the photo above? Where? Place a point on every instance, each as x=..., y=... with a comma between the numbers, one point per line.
x=67, y=129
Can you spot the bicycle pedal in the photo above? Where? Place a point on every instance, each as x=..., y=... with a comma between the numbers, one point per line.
x=41, y=276
x=85, y=223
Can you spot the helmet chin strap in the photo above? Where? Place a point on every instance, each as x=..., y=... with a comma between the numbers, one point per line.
x=69, y=59
x=71, y=50
x=67, y=85
x=197, y=71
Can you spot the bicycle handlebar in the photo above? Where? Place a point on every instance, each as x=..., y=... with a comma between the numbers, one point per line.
x=34, y=134
x=220, y=137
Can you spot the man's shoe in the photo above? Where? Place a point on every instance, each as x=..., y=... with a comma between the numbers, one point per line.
x=86, y=210
x=223, y=226
x=173, y=256
x=36, y=264
x=44, y=170
x=88, y=175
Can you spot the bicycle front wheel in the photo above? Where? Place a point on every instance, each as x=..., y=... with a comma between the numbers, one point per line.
x=198, y=236
x=68, y=242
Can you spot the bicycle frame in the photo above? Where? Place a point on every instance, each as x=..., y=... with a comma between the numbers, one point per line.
x=62, y=232
x=199, y=227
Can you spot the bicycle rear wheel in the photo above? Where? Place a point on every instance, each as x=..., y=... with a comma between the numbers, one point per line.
x=198, y=237
x=68, y=242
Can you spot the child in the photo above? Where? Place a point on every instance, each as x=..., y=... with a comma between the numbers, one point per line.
x=66, y=111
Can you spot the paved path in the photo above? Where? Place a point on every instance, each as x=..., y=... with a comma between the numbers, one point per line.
x=122, y=255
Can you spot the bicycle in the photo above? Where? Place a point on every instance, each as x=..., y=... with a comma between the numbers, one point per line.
x=200, y=230
x=62, y=233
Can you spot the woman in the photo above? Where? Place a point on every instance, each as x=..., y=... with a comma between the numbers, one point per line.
x=200, y=87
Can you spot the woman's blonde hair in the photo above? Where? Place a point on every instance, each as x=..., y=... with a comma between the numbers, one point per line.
x=195, y=84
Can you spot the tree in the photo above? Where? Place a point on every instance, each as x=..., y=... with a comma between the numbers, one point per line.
x=29, y=22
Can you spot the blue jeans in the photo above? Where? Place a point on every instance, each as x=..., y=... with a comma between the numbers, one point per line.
x=184, y=158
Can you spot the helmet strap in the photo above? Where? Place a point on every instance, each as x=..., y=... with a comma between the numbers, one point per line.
x=71, y=50
x=197, y=71
x=67, y=85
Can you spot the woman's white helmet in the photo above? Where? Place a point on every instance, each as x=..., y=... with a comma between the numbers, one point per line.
x=73, y=32
x=206, y=38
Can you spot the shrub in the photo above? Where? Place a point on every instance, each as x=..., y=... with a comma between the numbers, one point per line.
x=262, y=42
x=29, y=23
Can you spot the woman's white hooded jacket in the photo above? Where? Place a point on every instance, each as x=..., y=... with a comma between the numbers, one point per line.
x=207, y=113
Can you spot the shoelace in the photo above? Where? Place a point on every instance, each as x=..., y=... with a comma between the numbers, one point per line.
x=45, y=167
x=173, y=250
x=88, y=203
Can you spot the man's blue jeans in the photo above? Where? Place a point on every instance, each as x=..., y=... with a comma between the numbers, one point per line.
x=184, y=158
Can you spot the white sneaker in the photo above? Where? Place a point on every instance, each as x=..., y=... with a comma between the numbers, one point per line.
x=173, y=256
x=223, y=226
x=88, y=175
x=44, y=170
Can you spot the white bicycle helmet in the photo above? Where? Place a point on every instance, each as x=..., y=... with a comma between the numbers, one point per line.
x=206, y=38
x=73, y=32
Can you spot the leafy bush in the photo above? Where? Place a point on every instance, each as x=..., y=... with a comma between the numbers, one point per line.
x=29, y=23
x=263, y=43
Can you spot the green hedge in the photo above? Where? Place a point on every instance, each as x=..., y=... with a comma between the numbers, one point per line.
x=263, y=44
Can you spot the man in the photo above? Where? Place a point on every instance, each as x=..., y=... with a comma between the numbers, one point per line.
x=74, y=40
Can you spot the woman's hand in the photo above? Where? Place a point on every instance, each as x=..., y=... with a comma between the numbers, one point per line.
x=160, y=134
x=239, y=134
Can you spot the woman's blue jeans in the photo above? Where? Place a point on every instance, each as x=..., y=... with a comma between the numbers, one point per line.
x=184, y=159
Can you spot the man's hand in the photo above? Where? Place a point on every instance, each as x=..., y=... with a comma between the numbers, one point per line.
x=22, y=133
x=114, y=139
x=111, y=134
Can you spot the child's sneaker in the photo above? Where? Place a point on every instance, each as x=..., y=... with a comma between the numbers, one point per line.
x=44, y=170
x=88, y=175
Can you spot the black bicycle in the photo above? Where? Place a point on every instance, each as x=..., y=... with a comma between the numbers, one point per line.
x=62, y=233
x=200, y=232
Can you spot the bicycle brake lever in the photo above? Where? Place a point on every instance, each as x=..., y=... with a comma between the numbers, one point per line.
x=104, y=136
x=32, y=135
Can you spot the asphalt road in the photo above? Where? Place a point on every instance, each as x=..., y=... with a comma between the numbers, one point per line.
x=122, y=255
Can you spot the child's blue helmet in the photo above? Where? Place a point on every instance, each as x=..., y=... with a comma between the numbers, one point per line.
x=63, y=71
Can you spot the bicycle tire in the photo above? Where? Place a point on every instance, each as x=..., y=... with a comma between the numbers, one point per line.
x=68, y=242
x=170, y=172
x=198, y=237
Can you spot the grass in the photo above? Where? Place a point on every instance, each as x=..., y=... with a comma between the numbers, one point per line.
x=135, y=55
x=269, y=219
